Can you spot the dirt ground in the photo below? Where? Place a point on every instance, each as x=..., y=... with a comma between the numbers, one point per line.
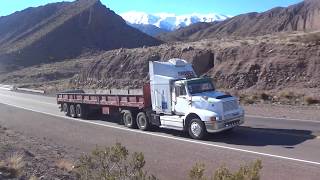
x=284, y=111
x=32, y=158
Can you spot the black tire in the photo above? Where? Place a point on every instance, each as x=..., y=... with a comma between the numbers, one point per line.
x=142, y=121
x=197, y=129
x=81, y=111
x=72, y=110
x=65, y=109
x=128, y=119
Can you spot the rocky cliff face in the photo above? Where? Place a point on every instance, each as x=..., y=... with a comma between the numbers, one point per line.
x=300, y=17
x=267, y=66
x=261, y=64
x=130, y=67
x=62, y=31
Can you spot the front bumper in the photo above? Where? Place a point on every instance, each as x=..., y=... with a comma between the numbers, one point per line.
x=219, y=126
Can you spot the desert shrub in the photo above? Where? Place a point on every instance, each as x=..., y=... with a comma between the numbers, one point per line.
x=307, y=38
x=197, y=172
x=265, y=96
x=12, y=167
x=310, y=100
x=112, y=163
x=248, y=99
x=65, y=165
x=246, y=172
x=288, y=95
x=33, y=177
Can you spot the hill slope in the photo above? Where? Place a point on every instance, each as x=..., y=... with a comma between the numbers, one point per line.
x=149, y=29
x=63, y=30
x=303, y=16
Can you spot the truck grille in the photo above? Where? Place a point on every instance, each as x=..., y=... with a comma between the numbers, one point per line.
x=230, y=106
x=232, y=123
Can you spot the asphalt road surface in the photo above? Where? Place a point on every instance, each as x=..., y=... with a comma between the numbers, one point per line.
x=289, y=149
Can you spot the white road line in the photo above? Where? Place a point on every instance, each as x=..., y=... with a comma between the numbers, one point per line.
x=286, y=119
x=173, y=138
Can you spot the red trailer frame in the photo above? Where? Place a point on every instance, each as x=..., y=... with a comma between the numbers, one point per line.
x=107, y=101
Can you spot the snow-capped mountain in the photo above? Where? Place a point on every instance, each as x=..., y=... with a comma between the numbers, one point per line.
x=168, y=21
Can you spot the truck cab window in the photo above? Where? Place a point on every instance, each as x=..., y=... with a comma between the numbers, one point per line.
x=181, y=91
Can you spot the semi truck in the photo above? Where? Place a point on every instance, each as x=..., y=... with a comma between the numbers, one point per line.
x=175, y=98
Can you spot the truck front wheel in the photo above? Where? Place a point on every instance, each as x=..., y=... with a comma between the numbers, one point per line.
x=197, y=129
x=142, y=121
x=128, y=119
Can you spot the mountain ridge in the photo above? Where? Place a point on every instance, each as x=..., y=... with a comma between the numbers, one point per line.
x=170, y=21
x=62, y=31
x=299, y=17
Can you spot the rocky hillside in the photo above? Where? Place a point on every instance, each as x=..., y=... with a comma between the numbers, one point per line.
x=129, y=67
x=300, y=17
x=62, y=31
x=263, y=63
x=257, y=63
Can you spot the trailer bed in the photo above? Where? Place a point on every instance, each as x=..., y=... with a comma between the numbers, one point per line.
x=114, y=98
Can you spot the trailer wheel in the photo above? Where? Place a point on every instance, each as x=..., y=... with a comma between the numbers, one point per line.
x=65, y=109
x=142, y=121
x=197, y=129
x=81, y=111
x=128, y=119
x=72, y=111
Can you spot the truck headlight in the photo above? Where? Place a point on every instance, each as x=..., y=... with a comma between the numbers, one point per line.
x=213, y=119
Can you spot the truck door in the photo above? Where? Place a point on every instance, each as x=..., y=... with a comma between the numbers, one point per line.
x=181, y=103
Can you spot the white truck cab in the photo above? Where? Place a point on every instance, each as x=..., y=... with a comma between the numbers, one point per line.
x=183, y=101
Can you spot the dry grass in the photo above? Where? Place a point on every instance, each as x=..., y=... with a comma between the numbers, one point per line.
x=311, y=100
x=265, y=97
x=246, y=172
x=65, y=165
x=33, y=177
x=13, y=166
x=284, y=97
x=313, y=37
x=288, y=95
x=2, y=164
x=16, y=163
x=249, y=99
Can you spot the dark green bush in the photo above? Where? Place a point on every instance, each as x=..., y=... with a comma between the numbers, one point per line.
x=112, y=163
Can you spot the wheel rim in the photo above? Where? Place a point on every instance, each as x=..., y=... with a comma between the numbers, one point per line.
x=128, y=120
x=78, y=111
x=65, y=108
x=196, y=129
x=72, y=111
x=142, y=122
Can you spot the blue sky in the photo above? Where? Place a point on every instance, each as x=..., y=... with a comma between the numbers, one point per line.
x=227, y=7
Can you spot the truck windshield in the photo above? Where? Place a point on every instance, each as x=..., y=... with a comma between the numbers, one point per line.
x=200, y=86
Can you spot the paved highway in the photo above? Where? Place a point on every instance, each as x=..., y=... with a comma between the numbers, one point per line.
x=289, y=149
